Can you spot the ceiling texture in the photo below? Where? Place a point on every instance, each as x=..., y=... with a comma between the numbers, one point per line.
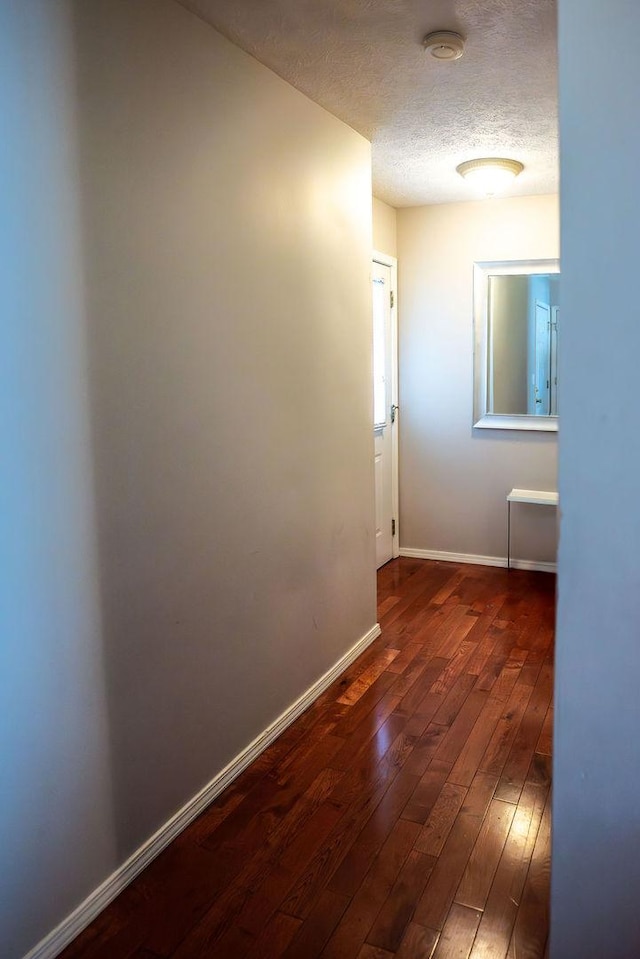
x=364, y=62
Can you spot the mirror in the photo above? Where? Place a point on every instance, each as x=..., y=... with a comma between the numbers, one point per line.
x=516, y=321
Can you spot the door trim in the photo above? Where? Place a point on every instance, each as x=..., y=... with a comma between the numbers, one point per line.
x=385, y=260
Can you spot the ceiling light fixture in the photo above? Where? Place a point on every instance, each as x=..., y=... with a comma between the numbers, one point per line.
x=490, y=175
x=444, y=45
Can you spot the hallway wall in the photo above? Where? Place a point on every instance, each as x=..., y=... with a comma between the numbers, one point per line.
x=596, y=865
x=385, y=228
x=190, y=541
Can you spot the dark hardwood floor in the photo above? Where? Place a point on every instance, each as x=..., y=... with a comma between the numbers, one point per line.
x=406, y=814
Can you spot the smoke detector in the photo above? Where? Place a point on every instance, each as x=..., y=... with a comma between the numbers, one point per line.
x=444, y=45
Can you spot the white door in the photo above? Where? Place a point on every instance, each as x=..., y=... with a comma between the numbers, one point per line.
x=384, y=404
x=555, y=319
x=542, y=368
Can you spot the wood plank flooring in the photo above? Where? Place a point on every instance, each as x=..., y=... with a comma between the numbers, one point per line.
x=406, y=814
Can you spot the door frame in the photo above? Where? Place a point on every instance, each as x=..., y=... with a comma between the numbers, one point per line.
x=391, y=261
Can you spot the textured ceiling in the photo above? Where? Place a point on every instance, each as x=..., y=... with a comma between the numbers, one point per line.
x=364, y=62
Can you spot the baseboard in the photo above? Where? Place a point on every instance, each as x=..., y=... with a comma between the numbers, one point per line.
x=477, y=560
x=60, y=937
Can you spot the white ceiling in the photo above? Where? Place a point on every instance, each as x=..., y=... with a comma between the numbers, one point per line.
x=363, y=61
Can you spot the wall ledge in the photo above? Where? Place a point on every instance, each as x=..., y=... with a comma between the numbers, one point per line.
x=70, y=927
x=474, y=560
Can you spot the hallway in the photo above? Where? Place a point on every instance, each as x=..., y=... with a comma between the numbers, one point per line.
x=406, y=814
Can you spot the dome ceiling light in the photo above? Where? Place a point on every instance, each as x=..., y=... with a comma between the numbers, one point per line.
x=490, y=175
x=444, y=45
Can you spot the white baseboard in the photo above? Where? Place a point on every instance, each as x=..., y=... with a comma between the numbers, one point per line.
x=60, y=937
x=477, y=560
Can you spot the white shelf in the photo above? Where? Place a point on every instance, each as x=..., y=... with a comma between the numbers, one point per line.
x=540, y=497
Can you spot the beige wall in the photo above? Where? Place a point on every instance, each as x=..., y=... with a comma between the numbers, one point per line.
x=384, y=228
x=453, y=479
x=191, y=543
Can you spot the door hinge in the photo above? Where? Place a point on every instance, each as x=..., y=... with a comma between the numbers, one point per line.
x=392, y=298
x=393, y=527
